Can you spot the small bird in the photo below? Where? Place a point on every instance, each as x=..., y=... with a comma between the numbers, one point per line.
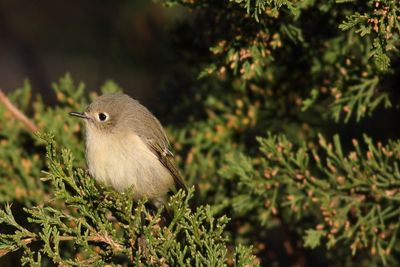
x=126, y=147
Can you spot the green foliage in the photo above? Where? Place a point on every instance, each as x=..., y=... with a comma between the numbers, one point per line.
x=18, y=167
x=312, y=239
x=295, y=69
x=380, y=22
x=272, y=7
x=351, y=199
x=348, y=64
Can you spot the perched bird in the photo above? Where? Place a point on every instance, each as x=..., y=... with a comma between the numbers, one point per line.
x=126, y=146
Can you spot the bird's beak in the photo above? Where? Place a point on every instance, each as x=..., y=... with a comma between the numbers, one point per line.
x=79, y=114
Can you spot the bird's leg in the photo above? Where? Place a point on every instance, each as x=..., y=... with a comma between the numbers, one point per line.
x=159, y=203
x=142, y=244
x=152, y=207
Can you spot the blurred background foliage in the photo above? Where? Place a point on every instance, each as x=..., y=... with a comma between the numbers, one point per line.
x=283, y=114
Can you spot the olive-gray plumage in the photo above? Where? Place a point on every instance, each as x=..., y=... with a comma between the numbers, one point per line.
x=126, y=146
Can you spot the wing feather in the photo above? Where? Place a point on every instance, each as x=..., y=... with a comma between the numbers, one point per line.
x=167, y=159
x=152, y=133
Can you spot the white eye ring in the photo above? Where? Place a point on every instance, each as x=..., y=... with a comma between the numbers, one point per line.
x=102, y=116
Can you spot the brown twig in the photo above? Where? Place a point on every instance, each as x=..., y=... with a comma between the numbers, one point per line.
x=17, y=113
x=95, y=238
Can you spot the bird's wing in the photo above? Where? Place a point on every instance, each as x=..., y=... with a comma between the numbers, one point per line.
x=167, y=159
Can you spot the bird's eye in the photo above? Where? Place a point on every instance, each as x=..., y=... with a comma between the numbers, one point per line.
x=103, y=116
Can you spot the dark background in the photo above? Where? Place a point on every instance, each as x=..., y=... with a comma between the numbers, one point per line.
x=125, y=41
x=128, y=41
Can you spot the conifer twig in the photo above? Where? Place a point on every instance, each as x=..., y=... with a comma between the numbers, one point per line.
x=95, y=238
x=17, y=113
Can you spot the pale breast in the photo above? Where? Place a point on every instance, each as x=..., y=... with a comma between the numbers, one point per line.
x=126, y=161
